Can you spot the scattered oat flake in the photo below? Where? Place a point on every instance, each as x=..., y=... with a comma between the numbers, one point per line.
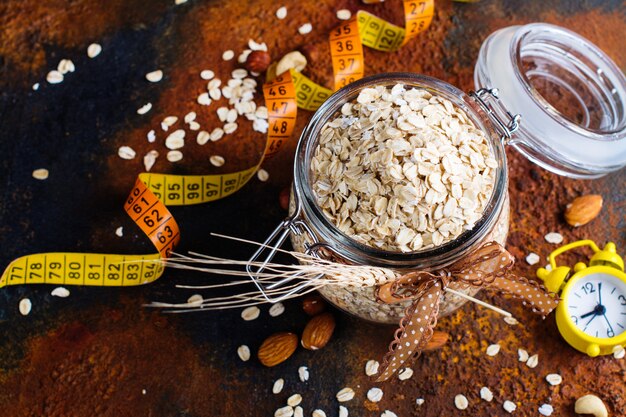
x=25, y=306
x=174, y=156
x=228, y=55
x=65, y=66
x=204, y=99
x=371, y=367
x=94, y=50
x=344, y=14
x=119, y=232
x=217, y=160
x=345, y=394
x=298, y=411
x=306, y=28
x=36, y=86
x=554, y=379
x=509, y=406
x=511, y=320
x=532, y=258
x=405, y=374
x=281, y=13
x=374, y=394
x=207, y=74
x=149, y=159
x=492, y=350
x=239, y=73
x=230, y=128
x=195, y=300
x=388, y=413
x=303, y=373
x=343, y=411
x=277, y=309
x=243, y=352
x=486, y=394
x=194, y=126
x=126, y=152
x=190, y=117
x=318, y=413
x=144, y=109
x=554, y=237
x=286, y=411
x=243, y=57
x=618, y=352
x=546, y=410
x=143, y=391
x=215, y=93
x=255, y=46
x=40, y=174
x=419, y=401
x=179, y=2
x=522, y=355
x=175, y=140
x=54, y=77
x=231, y=116
x=151, y=136
x=294, y=400
x=217, y=134
x=262, y=175
x=278, y=386
x=533, y=361
x=154, y=76
x=169, y=121
x=60, y=292
x=250, y=313
x=203, y=137
x=460, y=402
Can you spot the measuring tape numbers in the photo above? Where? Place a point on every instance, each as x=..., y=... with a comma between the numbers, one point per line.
x=146, y=205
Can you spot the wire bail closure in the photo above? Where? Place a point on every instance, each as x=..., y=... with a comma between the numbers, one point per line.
x=292, y=224
x=505, y=128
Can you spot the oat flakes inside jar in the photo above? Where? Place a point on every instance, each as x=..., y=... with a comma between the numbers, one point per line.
x=399, y=171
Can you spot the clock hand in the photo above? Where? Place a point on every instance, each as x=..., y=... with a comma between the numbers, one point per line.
x=599, y=293
x=590, y=320
x=609, y=323
x=594, y=312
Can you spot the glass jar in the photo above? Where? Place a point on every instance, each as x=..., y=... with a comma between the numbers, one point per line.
x=526, y=60
x=571, y=94
x=313, y=232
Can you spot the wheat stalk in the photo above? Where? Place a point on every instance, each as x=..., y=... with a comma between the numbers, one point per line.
x=292, y=280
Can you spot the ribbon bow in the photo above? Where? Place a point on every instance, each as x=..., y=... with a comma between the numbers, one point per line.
x=487, y=267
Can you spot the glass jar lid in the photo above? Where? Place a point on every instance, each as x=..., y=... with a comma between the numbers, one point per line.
x=571, y=96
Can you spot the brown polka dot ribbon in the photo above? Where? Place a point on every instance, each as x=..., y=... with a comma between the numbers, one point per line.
x=488, y=267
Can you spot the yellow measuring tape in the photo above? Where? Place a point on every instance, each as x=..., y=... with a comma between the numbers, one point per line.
x=147, y=201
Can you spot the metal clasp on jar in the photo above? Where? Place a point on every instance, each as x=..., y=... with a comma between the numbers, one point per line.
x=504, y=128
x=292, y=224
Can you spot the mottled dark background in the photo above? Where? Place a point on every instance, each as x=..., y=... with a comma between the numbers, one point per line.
x=94, y=352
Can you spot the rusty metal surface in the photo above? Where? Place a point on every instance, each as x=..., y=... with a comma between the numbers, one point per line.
x=99, y=352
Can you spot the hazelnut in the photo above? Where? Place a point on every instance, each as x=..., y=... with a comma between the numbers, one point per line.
x=283, y=198
x=313, y=305
x=258, y=61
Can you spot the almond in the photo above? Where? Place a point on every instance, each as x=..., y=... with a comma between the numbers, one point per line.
x=437, y=341
x=583, y=209
x=313, y=305
x=318, y=331
x=277, y=348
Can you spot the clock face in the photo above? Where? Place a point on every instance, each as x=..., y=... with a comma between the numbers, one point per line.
x=597, y=305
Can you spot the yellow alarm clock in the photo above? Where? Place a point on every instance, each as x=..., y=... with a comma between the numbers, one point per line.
x=591, y=315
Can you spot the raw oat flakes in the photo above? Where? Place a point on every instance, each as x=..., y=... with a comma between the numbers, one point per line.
x=402, y=170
